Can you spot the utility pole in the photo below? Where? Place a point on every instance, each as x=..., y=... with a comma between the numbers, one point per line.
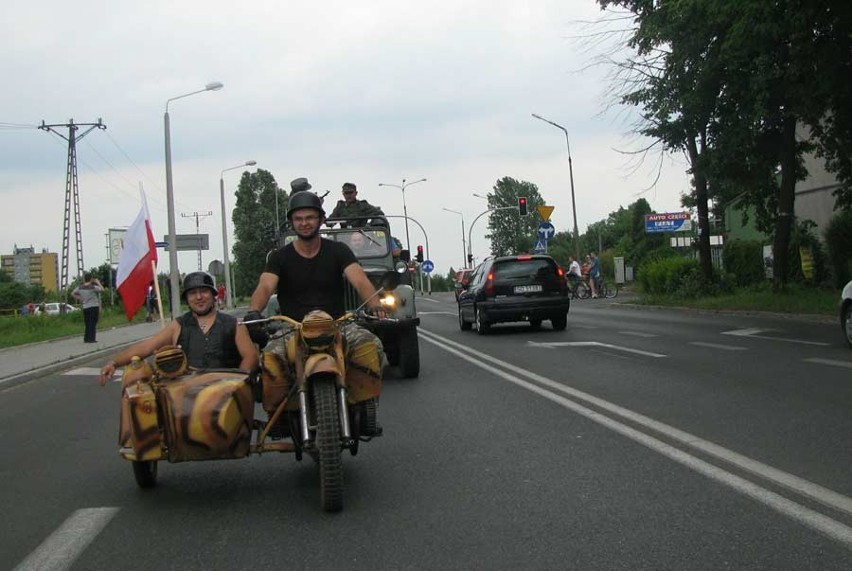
x=72, y=195
x=197, y=216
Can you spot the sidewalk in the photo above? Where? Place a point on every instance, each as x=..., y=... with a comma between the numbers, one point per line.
x=20, y=363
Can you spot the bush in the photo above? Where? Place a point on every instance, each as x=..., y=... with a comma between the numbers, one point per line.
x=838, y=240
x=744, y=260
x=665, y=276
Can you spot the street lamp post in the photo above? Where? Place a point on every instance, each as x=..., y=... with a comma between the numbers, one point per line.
x=229, y=300
x=404, y=209
x=464, y=245
x=174, y=280
x=571, y=175
x=480, y=215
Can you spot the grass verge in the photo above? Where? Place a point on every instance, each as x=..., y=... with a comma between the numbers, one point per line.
x=797, y=299
x=21, y=330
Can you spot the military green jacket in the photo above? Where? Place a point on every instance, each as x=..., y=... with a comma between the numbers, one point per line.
x=358, y=208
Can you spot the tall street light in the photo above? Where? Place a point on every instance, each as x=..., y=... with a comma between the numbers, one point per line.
x=229, y=300
x=404, y=210
x=571, y=174
x=174, y=280
x=464, y=245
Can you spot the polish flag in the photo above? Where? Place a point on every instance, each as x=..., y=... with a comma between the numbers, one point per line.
x=135, y=271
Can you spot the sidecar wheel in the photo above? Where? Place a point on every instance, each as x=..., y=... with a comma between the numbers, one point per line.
x=145, y=473
x=328, y=444
x=409, y=354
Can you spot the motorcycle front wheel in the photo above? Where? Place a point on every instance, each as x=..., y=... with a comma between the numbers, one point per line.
x=145, y=473
x=329, y=451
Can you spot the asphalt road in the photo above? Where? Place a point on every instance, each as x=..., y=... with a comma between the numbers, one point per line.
x=635, y=439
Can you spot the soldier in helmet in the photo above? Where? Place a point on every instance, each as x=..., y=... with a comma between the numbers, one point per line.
x=309, y=274
x=209, y=338
x=350, y=207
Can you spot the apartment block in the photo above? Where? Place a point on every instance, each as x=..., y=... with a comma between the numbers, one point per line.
x=29, y=267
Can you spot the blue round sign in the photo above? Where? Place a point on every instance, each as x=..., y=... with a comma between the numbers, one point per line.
x=427, y=266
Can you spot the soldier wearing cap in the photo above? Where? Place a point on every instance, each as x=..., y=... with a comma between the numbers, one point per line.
x=351, y=207
x=298, y=185
x=209, y=338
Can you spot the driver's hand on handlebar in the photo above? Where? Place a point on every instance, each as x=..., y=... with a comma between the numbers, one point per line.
x=107, y=371
x=257, y=331
x=378, y=311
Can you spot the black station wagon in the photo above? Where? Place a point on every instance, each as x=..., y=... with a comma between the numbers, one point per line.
x=515, y=288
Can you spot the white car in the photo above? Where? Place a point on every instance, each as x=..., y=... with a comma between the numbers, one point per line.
x=846, y=313
x=55, y=308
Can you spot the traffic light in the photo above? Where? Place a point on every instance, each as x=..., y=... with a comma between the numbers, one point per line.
x=419, y=254
x=469, y=260
x=522, y=205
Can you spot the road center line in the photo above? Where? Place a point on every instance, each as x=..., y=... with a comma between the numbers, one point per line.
x=753, y=333
x=64, y=546
x=639, y=334
x=595, y=344
x=787, y=507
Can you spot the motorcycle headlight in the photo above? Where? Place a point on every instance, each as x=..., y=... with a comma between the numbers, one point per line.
x=388, y=302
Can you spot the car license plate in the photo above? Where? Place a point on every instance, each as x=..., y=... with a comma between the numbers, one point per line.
x=527, y=288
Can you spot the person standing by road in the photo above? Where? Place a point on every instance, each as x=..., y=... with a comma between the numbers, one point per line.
x=89, y=295
x=351, y=207
x=594, y=273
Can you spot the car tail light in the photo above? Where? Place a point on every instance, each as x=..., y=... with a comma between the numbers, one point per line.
x=524, y=258
x=489, y=285
x=563, y=280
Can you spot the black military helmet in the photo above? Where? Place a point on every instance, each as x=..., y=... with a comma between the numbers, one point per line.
x=304, y=199
x=198, y=279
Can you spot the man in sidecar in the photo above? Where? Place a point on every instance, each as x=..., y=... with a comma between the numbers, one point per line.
x=308, y=274
x=211, y=339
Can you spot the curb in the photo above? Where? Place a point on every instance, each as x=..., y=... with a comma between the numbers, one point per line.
x=33, y=374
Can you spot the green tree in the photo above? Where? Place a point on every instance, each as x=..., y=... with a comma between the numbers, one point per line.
x=255, y=226
x=509, y=232
x=727, y=83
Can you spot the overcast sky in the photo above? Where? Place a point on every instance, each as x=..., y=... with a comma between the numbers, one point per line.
x=367, y=92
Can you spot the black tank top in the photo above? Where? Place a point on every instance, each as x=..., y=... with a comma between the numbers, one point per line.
x=215, y=350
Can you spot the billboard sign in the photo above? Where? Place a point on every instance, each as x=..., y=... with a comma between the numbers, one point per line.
x=668, y=222
x=190, y=242
x=116, y=243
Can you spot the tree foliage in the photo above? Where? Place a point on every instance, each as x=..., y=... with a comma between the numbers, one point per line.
x=254, y=220
x=509, y=232
x=728, y=83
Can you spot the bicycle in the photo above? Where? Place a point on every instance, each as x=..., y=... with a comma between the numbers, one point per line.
x=605, y=290
x=579, y=288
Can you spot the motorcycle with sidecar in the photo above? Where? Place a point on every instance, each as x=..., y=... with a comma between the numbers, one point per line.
x=315, y=404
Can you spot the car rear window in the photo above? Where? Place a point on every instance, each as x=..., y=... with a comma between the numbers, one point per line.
x=530, y=268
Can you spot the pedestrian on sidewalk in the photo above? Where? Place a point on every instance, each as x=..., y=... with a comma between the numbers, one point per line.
x=89, y=295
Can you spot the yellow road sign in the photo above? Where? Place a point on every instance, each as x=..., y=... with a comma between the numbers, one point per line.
x=545, y=212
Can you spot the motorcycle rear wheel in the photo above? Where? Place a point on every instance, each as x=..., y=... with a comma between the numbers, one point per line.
x=328, y=446
x=145, y=473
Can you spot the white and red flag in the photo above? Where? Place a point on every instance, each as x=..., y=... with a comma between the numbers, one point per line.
x=138, y=255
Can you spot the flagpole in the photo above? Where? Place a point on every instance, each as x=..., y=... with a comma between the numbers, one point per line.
x=159, y=298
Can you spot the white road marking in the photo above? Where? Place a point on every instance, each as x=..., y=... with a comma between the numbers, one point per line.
x=802, y=514
x=718, y=346
x=638, y=333
x=64, y=546
x=743, y=332
x=453, y=313
x=754, y=333
x=429, y=299
x=832, y=362
x=594, y=344
x=84, y=372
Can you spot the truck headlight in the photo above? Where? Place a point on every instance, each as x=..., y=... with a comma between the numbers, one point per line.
x=388, y=302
